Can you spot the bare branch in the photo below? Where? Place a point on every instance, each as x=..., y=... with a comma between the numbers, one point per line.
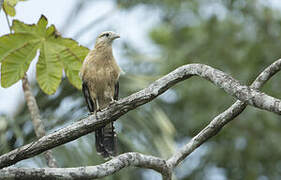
x=222, y=119
x=121, y=107
x=33, y=108
x=90, y=172
x=36, y=119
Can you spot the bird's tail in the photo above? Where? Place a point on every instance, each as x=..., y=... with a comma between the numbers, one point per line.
x=106, y=141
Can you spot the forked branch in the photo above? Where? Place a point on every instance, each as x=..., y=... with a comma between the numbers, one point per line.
x=246, y=95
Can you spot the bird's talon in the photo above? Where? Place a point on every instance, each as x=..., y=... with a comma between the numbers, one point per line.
x=112, y=102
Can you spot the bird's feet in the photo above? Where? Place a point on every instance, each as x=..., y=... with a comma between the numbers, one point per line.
x=112, y=102
x=100, y=110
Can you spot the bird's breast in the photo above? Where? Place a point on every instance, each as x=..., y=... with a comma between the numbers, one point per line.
x=102, y=75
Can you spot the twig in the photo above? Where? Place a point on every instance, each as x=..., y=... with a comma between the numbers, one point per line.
x=121, y=107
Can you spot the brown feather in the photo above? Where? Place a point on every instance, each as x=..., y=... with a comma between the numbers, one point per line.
x=100, y=73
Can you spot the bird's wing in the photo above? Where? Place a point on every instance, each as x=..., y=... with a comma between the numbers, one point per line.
x=87, y=96
x=116, y=91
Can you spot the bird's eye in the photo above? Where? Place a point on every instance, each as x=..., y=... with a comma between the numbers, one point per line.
x=107, y=34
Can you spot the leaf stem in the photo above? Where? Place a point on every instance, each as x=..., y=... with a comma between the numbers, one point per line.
x=8, y=22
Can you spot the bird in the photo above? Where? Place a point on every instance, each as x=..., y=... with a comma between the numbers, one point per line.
x=100, y=86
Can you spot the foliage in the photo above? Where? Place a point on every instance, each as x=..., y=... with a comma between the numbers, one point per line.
x=238, y=37
x=71, y=100
x=242, y=42
x=9, y=6
x=17, y=50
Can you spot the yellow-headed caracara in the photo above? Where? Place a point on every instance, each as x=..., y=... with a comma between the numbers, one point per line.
x=100, y=74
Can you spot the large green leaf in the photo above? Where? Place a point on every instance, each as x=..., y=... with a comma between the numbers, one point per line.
x=72, y=65
x=70, y=54
x=13, y=42
x=80, y=52
x=48, y=69
x=56, y=54
x=72, y=58
x=38, y=29
x=20, y=27
x=16, y=63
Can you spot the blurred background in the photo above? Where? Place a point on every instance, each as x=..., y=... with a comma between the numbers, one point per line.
x=239, y=37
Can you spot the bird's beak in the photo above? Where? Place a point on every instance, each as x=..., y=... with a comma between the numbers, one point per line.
x=116, y=36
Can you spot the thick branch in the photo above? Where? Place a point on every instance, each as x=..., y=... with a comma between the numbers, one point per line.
x=90, y=172
x=91, y=123
x=222, y=119
x=36, y=119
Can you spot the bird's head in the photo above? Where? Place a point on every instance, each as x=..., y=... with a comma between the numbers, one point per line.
x=107, y=37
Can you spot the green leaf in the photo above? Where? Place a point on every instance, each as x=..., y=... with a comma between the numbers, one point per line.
x=12, y=2
x=56, y=54
x=79, y=51
x=72, y=65
x=72, y=57
x=9, y=8
x=12, y=42
x=41, y=26
x=48, y=69
x=20, y=27
x=16, y=64
x=50, y=30
x=38, y=29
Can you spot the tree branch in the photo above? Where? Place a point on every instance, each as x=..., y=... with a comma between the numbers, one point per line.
x=222, y=119
x=90, y=172
x=34, y=111
x=89, y=124
x=36, y=119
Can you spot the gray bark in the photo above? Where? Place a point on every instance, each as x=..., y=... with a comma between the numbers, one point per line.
x=90, y=172
x=246, y=95
x=222, y=119
x=36, y=119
